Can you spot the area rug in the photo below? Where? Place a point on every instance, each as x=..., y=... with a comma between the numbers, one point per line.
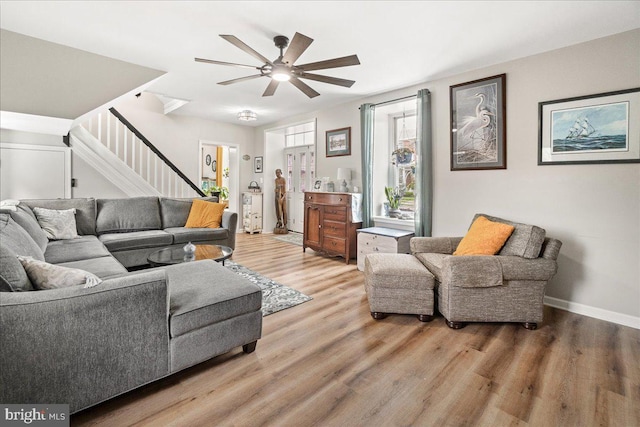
x=291, y=237
x=275, y=296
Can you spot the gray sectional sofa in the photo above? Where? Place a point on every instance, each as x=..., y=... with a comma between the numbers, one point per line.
x=82, y=346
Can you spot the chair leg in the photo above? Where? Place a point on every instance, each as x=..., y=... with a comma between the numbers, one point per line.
x=425, y=317
x=249, y=348
x=530, y=326
x=377, y=315
x=456, y=325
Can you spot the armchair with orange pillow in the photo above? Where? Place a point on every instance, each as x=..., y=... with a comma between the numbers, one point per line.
x=497, y=272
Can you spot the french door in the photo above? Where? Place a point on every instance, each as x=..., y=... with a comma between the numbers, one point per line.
x=301, y=172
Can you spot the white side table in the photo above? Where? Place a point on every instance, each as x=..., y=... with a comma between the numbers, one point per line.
x=382, y=240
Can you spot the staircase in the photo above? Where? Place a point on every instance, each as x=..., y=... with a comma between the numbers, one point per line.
x=118, y=151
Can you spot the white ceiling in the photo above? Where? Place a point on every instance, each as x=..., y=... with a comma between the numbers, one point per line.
x=399, y=43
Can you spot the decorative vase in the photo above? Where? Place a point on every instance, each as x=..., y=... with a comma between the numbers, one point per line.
x=189, y=248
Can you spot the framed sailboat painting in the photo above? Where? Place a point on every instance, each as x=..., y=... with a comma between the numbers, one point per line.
x=602, y=128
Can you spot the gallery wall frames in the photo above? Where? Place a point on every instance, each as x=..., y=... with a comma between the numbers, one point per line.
x=478, y=124
x=601, y=128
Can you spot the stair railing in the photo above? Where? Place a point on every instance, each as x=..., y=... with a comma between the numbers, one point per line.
x=116, y=133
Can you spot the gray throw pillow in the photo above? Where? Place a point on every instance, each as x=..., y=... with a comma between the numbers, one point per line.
x=50, y=276
x=13, y=278
x=17, y=239
x=57, y=224
x=26, y=219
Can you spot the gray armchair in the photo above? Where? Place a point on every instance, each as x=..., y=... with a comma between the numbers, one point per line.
x=507, y=287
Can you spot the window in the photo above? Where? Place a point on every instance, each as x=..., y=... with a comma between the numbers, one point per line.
x=403, y=161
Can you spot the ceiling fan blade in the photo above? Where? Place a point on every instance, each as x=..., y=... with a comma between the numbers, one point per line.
x=240, y=44
x=211, y=61
x=345, y=61
x=298, y=45
x=304, y=87
x=241, y=79
x=327, y=79
x=271, y=89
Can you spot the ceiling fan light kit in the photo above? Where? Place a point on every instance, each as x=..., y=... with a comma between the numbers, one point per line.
x=282, y=69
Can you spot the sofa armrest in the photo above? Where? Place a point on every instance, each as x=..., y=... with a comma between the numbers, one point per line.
x=230, y=222
x=436, y=245
x=517, y=268
x=57, y=345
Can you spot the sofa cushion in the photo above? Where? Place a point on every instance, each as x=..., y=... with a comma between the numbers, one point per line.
x=136, y=240
x=184, y=235
x=17, y=239
x=205, y=214
x=45, y=276
x=84, y=247
x=85, y=211
x=26, y=219
x=125, y=215
x=484, y=237
x=433, y=262
x=103, y=267
x=13, y=278
x=58, y=224
x=202, y=293
x=174, y=212
x=525, y=241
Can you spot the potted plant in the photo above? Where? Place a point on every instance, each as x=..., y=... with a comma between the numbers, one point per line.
x=402, y=155
x=393, y=198
x=222, y=192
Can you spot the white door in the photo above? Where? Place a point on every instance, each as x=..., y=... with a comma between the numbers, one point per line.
x=300, y=174
x=34, y=171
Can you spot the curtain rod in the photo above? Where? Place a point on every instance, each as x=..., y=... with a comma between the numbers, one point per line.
x=395, y=100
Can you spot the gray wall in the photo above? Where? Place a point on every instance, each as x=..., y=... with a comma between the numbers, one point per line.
x=593, y=209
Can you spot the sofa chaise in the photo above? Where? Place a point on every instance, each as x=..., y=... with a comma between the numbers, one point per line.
x=83, y=345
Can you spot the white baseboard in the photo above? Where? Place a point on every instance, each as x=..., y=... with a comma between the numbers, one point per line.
x=598, y=313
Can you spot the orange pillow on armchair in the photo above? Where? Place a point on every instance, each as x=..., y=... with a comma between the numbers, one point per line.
x=205, y=214
x=484, y=238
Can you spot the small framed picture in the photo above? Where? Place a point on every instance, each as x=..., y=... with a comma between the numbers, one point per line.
x=257, y=164
x=317, y=185
x=339, y=142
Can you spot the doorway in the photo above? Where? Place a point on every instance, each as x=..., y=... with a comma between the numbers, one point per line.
x=300, y=174
x=220, y=165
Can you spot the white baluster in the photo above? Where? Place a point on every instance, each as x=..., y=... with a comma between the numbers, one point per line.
x=100, y=127
x=133, y=152
x=117, y=139
x=125, y=145
x=109, y=131
x=148, y=164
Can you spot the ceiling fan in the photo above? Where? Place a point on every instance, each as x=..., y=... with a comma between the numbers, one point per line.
x=283, y=69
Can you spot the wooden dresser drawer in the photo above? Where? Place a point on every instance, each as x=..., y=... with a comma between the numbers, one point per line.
x=335, y=213
x=334, y=244
x=327, y=199
x=334, y=228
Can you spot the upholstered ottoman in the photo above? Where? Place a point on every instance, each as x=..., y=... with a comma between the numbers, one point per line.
x=398, y=283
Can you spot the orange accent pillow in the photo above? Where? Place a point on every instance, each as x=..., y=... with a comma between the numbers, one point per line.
x=205, y=214
x=484, y=238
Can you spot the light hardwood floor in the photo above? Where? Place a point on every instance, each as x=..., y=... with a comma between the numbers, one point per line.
x=328, y=363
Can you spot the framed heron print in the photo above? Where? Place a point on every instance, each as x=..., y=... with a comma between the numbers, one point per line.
x=479, y=124
x=602, y=128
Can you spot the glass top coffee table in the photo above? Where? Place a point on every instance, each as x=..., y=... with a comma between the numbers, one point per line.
x=170, y=256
